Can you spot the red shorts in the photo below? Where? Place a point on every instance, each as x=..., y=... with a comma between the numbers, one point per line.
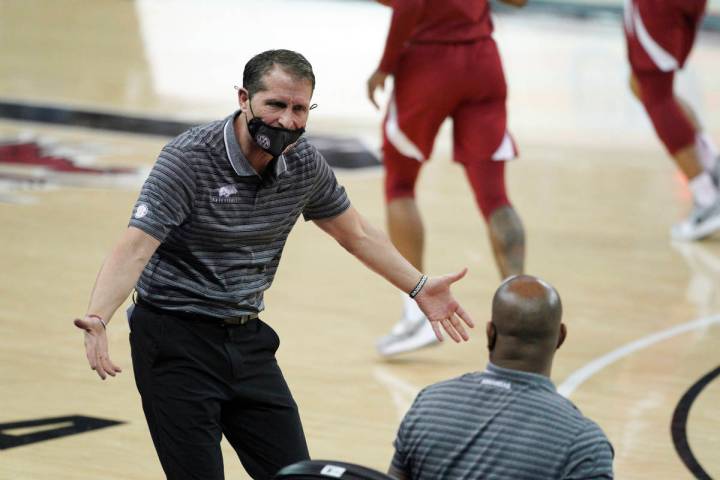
x=660, y=33
x=463, y=81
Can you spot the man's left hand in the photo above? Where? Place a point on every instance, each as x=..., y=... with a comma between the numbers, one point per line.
x=439, y=306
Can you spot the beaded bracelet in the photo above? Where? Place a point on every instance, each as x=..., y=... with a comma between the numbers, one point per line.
x=419, y=286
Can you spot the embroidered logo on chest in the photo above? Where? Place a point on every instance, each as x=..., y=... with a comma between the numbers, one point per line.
x=225, y=194
x=226, y=191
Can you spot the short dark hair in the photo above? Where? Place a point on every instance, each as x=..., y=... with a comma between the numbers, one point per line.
x=292, y=62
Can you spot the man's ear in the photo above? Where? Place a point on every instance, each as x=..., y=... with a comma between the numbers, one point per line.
x=561, y=337
x=491, y=334
x=243, y=99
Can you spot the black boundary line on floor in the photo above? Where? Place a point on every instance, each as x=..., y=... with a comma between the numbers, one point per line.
x=678, y=426
x=73, y=117
x=340, y=152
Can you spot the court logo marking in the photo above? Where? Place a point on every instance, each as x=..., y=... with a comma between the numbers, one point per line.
x=29, y=165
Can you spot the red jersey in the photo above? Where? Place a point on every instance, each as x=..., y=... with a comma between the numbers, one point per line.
x=434, y=21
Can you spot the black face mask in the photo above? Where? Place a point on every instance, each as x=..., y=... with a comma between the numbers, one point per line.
x=274, y=140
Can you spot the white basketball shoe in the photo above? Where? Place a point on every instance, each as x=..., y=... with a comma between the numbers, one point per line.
x=412, y=332
x=702, y=222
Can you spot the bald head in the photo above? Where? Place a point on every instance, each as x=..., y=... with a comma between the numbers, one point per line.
x=526, y=320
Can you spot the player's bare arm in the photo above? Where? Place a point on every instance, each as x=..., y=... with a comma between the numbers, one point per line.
x=372, y=247
x=116, y=279
x=405, y=16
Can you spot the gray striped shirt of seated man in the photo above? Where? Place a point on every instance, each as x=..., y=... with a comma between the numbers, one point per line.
x=507, y=422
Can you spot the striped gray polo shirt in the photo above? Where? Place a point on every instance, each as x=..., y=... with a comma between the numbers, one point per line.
x=499, y=424
x=222, y=227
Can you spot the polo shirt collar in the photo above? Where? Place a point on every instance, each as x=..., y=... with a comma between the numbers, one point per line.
x=237, y=159
x=520, y=376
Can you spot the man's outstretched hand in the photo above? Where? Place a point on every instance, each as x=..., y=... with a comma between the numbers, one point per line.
x=441, y=308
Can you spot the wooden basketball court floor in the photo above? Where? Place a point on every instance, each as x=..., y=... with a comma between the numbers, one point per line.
x=594, y=188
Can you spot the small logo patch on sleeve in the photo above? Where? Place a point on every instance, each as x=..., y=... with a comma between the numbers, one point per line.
x=141, y=211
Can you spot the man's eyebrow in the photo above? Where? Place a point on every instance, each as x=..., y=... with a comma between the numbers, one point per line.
x=283, y=103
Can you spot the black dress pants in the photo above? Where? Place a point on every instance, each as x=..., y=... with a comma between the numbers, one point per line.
x=199, y=380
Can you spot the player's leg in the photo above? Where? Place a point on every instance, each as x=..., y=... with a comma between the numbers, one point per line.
x=505, y=229
x=680, y=138
x=404, y=222
x=672, y=125
x=483, y=145
x=406, y=231
x=507, y=237
x=659, y=38
x=705, y=149
x=414, y=116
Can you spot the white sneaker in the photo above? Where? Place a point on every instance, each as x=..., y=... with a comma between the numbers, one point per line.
x=407, y=335
x=701, y=222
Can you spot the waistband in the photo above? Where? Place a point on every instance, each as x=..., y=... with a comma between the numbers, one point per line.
x=195, y=317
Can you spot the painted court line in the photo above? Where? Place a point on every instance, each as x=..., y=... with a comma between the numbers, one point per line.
x=577, y=378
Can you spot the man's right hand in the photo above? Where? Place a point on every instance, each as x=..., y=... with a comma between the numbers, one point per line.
x=376, y=80
x=96, y=346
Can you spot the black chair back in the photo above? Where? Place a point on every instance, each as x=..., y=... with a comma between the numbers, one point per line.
x=328, y=470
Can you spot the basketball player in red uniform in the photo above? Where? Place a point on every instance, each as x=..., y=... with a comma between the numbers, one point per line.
x=660, y=35
x=445, y=63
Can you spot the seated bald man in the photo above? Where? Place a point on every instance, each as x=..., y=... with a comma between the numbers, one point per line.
x=508, y=421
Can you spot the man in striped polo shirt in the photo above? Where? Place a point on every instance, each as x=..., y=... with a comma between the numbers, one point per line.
x=508, y=421
x=203, y=244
